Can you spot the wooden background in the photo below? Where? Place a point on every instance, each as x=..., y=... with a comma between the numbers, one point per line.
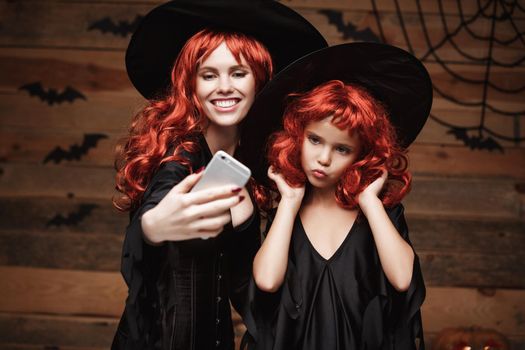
x=60, y=238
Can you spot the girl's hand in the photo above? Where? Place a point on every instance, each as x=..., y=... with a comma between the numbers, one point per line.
x=372, y=191
x=181, y=215
x=294, y=194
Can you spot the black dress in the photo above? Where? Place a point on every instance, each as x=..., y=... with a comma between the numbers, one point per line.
x=344, y=303
x=179, y=293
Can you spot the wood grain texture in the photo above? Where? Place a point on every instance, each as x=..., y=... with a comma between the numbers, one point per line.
x=450, y=7
x=453, y=252
x=39, y=215
x=502, y=310
x=52, y=332
x=61, y=251
x=430, y=195
x=32, y=146
x=432, y=153
x=111, y=100
x=439, y=233
x=33, y=24
x=110, y=113
x=460, y=161
x=62, y=292
x=465, y=213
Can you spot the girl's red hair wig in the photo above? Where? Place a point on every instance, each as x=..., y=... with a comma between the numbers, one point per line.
x=163, y=129
x=352, y=108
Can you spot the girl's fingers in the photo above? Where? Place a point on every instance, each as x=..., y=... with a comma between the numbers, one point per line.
x=211, y=194
x=213, y=208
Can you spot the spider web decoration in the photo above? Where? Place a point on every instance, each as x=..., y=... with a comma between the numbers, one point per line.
x=499, y=13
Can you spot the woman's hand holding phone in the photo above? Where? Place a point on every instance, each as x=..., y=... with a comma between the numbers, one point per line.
x=181, y=215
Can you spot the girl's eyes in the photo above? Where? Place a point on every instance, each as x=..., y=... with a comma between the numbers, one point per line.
x=343, y=150
x=314, y=140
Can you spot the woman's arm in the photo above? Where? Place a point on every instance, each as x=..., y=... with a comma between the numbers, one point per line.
x=395, y=254
x=270, y=263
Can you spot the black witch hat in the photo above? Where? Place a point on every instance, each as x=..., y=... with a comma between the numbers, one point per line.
x=390, y=74
x=163, y=32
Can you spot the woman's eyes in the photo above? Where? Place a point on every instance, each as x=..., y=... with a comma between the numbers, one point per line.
x=208, y=76
x=239, y=74
x=235, y=74
x=314, y=140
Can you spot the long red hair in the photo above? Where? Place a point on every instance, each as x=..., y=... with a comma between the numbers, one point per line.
x=168, y=122
x=351, y=108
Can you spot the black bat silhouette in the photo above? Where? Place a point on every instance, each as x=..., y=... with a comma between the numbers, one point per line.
x=76, y=151
x=349, y=30
x=475, y=142
x=52, y=96
x=74, y=218
x=122, y=28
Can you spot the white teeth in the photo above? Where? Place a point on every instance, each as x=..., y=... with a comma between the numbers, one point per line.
x=225, y=103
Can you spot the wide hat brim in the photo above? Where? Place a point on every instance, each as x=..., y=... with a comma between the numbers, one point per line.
x=163, y=32
x=390, y=74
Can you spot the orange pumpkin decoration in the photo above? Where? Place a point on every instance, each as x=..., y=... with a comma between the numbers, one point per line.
x=471, y=338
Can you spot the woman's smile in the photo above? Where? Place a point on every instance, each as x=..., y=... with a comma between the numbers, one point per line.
x=226, y=104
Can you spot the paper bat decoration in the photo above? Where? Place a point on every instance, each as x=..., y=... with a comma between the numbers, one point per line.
x=74, y=218
x=52, y=96
x=475, y=142
x=349, y=30
x=76, y=151
x=122, y=28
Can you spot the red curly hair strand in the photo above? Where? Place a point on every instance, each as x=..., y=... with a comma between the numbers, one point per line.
x=162, y=130
x=351, y=108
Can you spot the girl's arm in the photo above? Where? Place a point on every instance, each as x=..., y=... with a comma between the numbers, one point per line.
x=395, y=254
x=270, y=263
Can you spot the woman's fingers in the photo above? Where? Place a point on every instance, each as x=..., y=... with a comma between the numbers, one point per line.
x=212, y=208
x=211, y=224
x=187, y=184
x=211, y=194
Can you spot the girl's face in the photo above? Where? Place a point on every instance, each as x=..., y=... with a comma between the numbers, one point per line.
x=326, y=153
x=225, y=88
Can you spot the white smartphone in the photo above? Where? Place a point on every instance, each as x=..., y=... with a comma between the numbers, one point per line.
x=223, y=169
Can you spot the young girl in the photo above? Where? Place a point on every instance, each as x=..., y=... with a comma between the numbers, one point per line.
x=186, y=255
x=337, y=270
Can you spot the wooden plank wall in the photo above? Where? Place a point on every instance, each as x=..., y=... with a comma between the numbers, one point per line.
x=60, y=238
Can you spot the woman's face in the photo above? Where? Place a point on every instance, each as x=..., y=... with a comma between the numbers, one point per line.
x=225, y=88
x=326, y=152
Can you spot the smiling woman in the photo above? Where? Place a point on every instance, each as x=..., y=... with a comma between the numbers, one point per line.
x=186, y=256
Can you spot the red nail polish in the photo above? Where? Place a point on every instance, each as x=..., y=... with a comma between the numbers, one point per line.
x=241, y=198
x=236, y=190
x=199, y=170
